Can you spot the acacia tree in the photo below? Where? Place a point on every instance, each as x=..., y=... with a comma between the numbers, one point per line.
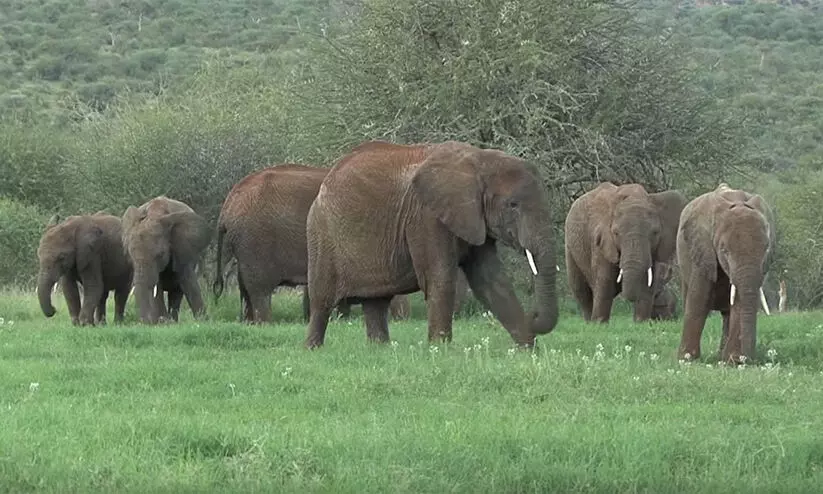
x=591, y=90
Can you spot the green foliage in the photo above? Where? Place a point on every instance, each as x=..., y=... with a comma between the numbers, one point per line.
x=226, y=407
x=21, y=226
x=800, y=237
x=764, y=61
x=582, y=89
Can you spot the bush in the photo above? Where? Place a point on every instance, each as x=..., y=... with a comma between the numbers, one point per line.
x=21, y=226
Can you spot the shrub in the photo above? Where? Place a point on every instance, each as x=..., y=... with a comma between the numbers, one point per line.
x=21, y=226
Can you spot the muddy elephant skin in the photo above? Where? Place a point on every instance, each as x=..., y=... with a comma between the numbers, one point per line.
x=394, y=219
x=84, y=249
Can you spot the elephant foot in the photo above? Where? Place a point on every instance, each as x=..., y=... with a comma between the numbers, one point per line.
x=688, y=354
x=735, y=358
x=313, y=343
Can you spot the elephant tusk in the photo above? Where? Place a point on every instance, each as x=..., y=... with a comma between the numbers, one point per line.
x=557, y=268
x=651, y=278
x=763, y=302
x=531, y=261
x=620, y=276
x=731, y=298
x=131, y=292
x=155, y=291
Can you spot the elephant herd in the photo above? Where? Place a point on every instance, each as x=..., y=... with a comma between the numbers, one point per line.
x=387, y=220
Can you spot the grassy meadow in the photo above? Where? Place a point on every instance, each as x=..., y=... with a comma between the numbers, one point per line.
x=225, y=407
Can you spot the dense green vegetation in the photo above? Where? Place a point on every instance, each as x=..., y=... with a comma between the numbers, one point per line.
x=105, y=104
x=226, y=407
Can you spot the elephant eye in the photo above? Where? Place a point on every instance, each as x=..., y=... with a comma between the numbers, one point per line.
x=514, y=204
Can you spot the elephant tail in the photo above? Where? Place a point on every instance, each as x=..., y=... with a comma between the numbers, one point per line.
x=217, y=287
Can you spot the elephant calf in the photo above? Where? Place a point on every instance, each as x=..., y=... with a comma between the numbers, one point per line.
x=84, y=249
x=164, y=239
x=725, y=243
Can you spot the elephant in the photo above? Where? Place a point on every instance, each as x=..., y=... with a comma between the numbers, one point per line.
x=395, y=219
x=164, y=240
x=84, y=249
x=664, y=305
x=614, y=236
x=262, y=226
x=725, y=245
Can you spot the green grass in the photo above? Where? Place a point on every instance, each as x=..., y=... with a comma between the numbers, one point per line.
x=224, y=407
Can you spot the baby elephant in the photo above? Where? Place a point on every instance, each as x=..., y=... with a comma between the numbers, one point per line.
x=85, y=249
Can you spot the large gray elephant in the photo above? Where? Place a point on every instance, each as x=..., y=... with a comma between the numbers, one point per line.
x=725, y=245
x=392, y=219
x=262, y=225
x=164, y=239
x=614, y=236
x=84, y=249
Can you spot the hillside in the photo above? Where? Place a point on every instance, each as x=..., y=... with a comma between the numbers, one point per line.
x=53, y=51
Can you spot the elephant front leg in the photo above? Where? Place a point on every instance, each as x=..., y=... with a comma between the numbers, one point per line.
x=724, y=337
x=72, y=296
x=100, y=313
x=121, y=295
x=580, y=288
x=191, y=288
x=604, y=291
x=376, y=318
x=492, y=288
x=696, y=306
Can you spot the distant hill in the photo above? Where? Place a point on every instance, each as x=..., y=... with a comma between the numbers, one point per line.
x=52, y=51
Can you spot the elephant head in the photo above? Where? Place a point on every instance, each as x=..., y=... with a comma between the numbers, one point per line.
x=637, y=230
x=480, y=194
x=64, y=248
x=728, y=236
x=159, y=241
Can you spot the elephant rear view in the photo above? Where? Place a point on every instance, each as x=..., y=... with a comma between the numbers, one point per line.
x=164, y=239
x=88, y=250
x=394, y=219
x=614, y=237
x=725, y=244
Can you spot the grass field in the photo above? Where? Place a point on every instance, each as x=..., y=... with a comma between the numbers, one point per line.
x=225, y=407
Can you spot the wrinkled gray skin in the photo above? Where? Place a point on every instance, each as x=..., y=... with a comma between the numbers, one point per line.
x=164, y=239
x=392, y=219
x=87, y=250
x=619, y=229
x=262, y=226
x=726, y=239
x=664, y=306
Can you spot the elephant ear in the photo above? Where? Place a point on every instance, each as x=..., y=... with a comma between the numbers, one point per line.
x=448, y=183
x=669, y=204
x=760, y=204
x=604, y=242
x=696, y=229
x=88, y=240
x=189, y=235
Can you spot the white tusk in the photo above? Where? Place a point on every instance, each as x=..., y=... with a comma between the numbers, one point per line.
x=731, y=298
x=763, y=302
x=620, y=276
x=531, y=261
x=557, y=267
x=155, y=291
x=649, y=272
x=131, y=292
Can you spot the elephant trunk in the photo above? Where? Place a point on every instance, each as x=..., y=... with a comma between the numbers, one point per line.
x=45, y=282
x=742, y=338
x=636, y=274
x=145, y=287
x=541, y=258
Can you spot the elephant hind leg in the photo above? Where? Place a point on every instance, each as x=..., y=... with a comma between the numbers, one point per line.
x=175, y=300
x=580, y=288
x=376, y=316
x=100, y=312
x=121, y=295
x=246, y=309
x=261, y=305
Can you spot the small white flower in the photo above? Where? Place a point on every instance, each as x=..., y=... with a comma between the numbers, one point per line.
x=687, y=356
x=654, y=357
x=709, y=366
x=627, y=348
x=394, y=345
x=231, y=387
x=434, y=349
x=742, y=359
x=636, y=378
x=34, y=387
x=286, y=372
x=11, y=323
x=771, y=353
x=512, y=351
x=641, y=354
x=2, y=321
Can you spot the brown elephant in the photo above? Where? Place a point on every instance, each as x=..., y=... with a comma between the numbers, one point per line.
x=614, y=235
x=393, y=219
x=164, y=239
x=262, y=225
x=84, y=249
x=725, y=244
x=664, y=305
